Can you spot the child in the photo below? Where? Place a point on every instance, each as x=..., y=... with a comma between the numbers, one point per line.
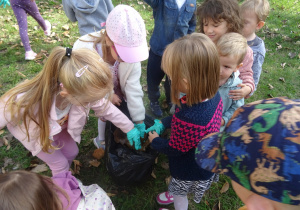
x=218, y=17
x=47, y=113
x=89, y=14
x=259, y=153
x=232, y=48
x=192, y=63
x=172, y=20
x=27, y=190
x=21, y=8
x=254, y=14
x=123, y=45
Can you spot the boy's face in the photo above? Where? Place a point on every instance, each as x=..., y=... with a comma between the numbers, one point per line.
x=215, y=30
x=228, y=65
x=250, y=23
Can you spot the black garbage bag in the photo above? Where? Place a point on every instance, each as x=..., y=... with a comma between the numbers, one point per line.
x=125, y=165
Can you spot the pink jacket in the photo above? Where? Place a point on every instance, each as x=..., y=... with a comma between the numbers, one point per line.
x=246, y=73
x=76, y=121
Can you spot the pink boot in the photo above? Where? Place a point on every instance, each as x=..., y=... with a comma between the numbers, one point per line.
x=30, y=55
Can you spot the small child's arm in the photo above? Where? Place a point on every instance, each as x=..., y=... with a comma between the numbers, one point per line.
x=69, y=11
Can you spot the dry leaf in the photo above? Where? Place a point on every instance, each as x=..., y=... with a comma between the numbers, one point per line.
x=156, y=160
x=1, y=132
x=168, y=180
x=270, y=86
x=18, y=53
x=282, y=79
x=66, y=34
x=270, y=95
x=110, y=194
x=145, y=88
x=66, y=27
x=40, y=168
x=282, y=65
x=77, y=166
x=225, y=187
x=217, y=206
x=165, y=165
x=94, y=163
x=21, y=74
x=6, y=142
x=7, y=161
x=292, y=55
x=153, y=175
x=98, y=153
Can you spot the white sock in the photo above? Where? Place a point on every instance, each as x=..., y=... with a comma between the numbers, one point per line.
x=101, y=130
x=181, y=202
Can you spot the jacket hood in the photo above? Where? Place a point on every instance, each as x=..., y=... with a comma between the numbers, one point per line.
x=86, y=6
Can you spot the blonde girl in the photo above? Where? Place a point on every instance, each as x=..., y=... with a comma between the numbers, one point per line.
x=123, y=46
x=192, y=64
x=31, y=191
x=47, y=113
x=218, y=17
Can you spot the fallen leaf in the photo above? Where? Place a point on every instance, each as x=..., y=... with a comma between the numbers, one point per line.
x=225, y=187
x=270, y=95
x=282, y=65
x=156, y=160
x=66, y=27
x=98, y=153
x=168, y=180
x=21, y=74
x=153, y=175
x=94, y=163
x=292, y=55
x=77, y=166
x=1, y=132
x=110, y=194
x=145, y=88
x=40, y=168
x=66, y=34
x=7, y=161
x=165, y=165
x=6, y=142
x=282, y=79
x=270, y=86
x=217, y=206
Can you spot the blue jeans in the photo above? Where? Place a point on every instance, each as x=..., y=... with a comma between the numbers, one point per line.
x=154, y=76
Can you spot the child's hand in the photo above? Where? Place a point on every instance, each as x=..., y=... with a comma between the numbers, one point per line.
x=240, y=93
x=158, y=127
x=116, y=100
x=133, y=136
x=223, y=122
x=152, y=135
x=4, y=2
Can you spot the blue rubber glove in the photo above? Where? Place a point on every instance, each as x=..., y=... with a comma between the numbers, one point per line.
x=133, y=136
x=142, y=128
x=158, y=127
x=4, y=2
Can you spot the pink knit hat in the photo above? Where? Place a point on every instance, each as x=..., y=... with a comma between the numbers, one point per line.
x=126, y=28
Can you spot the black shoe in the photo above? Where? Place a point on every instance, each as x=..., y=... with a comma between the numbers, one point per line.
x=155, y=108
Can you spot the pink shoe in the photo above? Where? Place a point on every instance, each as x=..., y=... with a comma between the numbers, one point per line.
x=30, y=55
x=47, y=32
x=163, y=209
x=164, y=198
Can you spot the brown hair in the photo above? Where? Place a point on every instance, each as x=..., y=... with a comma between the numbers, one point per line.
x=194, y=58
x=220, y=9
x=31, y=100
x=260, y=7
x=233, y=44
x=27, y=190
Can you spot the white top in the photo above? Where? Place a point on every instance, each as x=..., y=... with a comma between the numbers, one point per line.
x=180, y=3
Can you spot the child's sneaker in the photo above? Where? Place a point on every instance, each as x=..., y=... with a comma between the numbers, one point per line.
x=30, y=55
x=164, y=198
x=47, y=32
x=155, y=108
x=99, y=143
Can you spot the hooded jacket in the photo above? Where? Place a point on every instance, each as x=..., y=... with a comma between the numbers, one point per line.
x=230, y=105
x=89, y=13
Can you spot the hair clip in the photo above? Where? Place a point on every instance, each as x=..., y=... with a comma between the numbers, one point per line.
x=103, y=24
x=81, y=71
x=68, y=51
x=61, y=85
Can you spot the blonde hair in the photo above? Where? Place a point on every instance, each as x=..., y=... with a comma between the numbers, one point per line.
x=194, y=58
x=38, y=93
x=27, y=190
x=233, y=44
x=260, y=7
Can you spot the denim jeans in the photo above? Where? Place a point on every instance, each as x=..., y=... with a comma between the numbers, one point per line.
x=154, y=76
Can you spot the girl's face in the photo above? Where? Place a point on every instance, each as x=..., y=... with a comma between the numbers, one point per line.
x=215, y=30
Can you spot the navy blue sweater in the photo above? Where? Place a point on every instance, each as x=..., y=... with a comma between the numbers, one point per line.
x=189, y=125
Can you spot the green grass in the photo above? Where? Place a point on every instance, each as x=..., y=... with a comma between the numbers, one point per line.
x=282, y=28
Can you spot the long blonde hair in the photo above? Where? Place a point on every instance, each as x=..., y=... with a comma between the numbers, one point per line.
x=27, y=190
x=194, y=58
x=38, y=93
